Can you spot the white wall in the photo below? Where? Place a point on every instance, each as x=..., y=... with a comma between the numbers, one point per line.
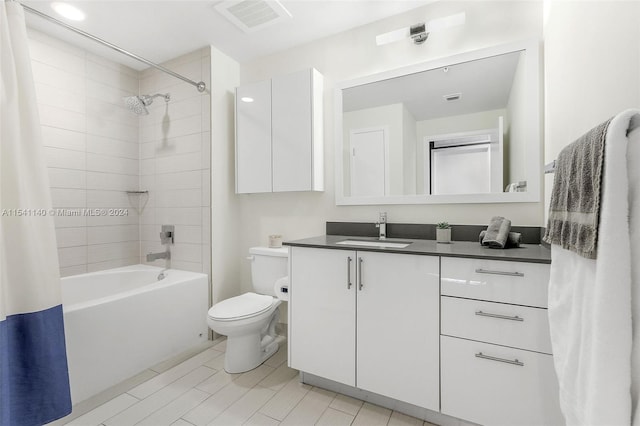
x=91, y=150
x=515, y=129
x=225, y=227
x=592, y=69
x=409, y=145
x=354, y=54
x=175, y=152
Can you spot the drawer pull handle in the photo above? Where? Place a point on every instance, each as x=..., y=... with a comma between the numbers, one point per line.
x=349, y=284
x=506, y=317
x=360, y=285
x=511, y=274
x=506, y=361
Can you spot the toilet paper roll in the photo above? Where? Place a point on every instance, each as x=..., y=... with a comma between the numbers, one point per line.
x=281, y=288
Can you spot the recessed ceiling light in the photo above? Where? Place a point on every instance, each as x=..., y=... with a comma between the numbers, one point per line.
x=68, y=11
x=246, y=99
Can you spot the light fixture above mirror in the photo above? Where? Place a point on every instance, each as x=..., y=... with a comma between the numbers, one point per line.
x=461, y=129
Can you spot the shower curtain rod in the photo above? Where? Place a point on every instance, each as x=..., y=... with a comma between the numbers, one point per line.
x=201, y=86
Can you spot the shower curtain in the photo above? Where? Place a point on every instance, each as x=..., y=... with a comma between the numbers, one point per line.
x=34, y=381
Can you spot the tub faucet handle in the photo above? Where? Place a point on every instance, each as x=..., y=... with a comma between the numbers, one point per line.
x=167, y=234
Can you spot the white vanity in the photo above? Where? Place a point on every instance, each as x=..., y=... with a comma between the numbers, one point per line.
x=441, y=332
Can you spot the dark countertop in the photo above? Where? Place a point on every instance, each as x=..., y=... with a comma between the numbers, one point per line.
x=525, y=253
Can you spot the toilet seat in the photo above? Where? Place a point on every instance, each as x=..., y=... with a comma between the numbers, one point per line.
x=240, y=307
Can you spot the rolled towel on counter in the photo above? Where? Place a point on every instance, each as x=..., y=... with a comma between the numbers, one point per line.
x=513, y=240
x=497, y=232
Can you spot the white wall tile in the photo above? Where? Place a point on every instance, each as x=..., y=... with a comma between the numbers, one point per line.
x=112, y=251
x=105, y=93
x=60, y=98
x=110, y=77
x=62, y=197
x=61, y=118
x=71, y=219
x=62, y=138
x=113, y=234
x=179, y=198
x=188, y=234
x=179, y=216
x=110, y=264
x=72, y=256
x=107, y=164
x=67, y=178
x=181, y=180
x=72, y=270
x=64, y=158
x=71, y=237
x=52, y=76
x=180, y=145
x=186, y=252
x=108, y=199
x=179, y=163
x=112, y=147
x=111, y=181
x=111, y=129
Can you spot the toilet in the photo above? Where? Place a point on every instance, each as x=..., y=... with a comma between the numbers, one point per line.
x=249, y=320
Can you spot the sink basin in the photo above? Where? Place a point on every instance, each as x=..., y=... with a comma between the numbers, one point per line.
x=381, y=244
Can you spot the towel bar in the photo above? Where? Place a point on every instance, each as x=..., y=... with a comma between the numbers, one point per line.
x=633, y=124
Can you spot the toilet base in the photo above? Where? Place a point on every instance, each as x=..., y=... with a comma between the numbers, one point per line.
x=246, y=352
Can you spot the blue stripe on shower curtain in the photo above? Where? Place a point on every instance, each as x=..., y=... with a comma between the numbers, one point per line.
x=32, y=360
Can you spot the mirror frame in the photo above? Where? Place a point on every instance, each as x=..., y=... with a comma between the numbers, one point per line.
x=533, y=148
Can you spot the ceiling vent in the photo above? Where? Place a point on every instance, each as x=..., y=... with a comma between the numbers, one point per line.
x=253, y=15
x=452, y=97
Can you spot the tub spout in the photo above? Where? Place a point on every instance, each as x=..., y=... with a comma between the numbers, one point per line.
x=155, y=256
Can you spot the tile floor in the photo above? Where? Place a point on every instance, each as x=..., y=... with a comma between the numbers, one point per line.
x=197, y=391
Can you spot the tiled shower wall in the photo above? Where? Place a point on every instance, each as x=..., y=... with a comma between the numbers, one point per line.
x=96, y=150
x=175, y=153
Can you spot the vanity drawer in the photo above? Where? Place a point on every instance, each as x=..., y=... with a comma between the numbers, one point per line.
x=495, y=385
x=510, y=325
x=519, y=283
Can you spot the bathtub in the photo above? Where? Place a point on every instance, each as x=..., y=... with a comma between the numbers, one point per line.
x=121, y=321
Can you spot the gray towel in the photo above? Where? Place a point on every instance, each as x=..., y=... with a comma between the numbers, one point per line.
x=513, y=239
x=575, y=198
x=497, y=232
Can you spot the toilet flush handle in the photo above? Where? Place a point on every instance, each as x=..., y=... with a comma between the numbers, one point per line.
x=250, y=258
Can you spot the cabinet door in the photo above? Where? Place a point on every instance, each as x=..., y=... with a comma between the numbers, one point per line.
x=253, y=138
x=322, y=313
x=398, y=327
x=292, y=131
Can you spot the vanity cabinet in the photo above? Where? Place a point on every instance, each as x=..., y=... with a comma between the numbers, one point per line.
x=279, y=134
x=496, y=362
x=376, y=314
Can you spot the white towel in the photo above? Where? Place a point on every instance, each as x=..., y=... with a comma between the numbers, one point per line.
x=590, y=308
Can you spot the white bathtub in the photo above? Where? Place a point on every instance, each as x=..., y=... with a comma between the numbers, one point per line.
x=121, y=321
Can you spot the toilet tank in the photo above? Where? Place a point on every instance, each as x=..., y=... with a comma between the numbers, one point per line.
x=267, y=266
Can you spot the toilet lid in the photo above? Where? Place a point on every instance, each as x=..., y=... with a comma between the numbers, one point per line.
x=243, y=306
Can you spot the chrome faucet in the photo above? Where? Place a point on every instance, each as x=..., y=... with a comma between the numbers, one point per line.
x=381, y=224
x=162, y=255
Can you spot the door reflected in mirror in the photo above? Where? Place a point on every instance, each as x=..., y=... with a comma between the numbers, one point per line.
x=461, y=128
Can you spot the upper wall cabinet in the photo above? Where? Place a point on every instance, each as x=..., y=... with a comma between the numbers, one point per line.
x=279, y=134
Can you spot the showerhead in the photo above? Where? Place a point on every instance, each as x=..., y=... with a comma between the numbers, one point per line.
x=139, y=104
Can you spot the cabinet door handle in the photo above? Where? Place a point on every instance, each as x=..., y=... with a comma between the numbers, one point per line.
x=360, y=285
x=349, y=272
x=506, y=361
x=506, y=317
x=511, y=274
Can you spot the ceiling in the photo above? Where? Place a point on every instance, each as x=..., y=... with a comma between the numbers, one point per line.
x=162, y=30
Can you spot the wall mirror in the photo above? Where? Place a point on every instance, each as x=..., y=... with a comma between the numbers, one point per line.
x=461, y=129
